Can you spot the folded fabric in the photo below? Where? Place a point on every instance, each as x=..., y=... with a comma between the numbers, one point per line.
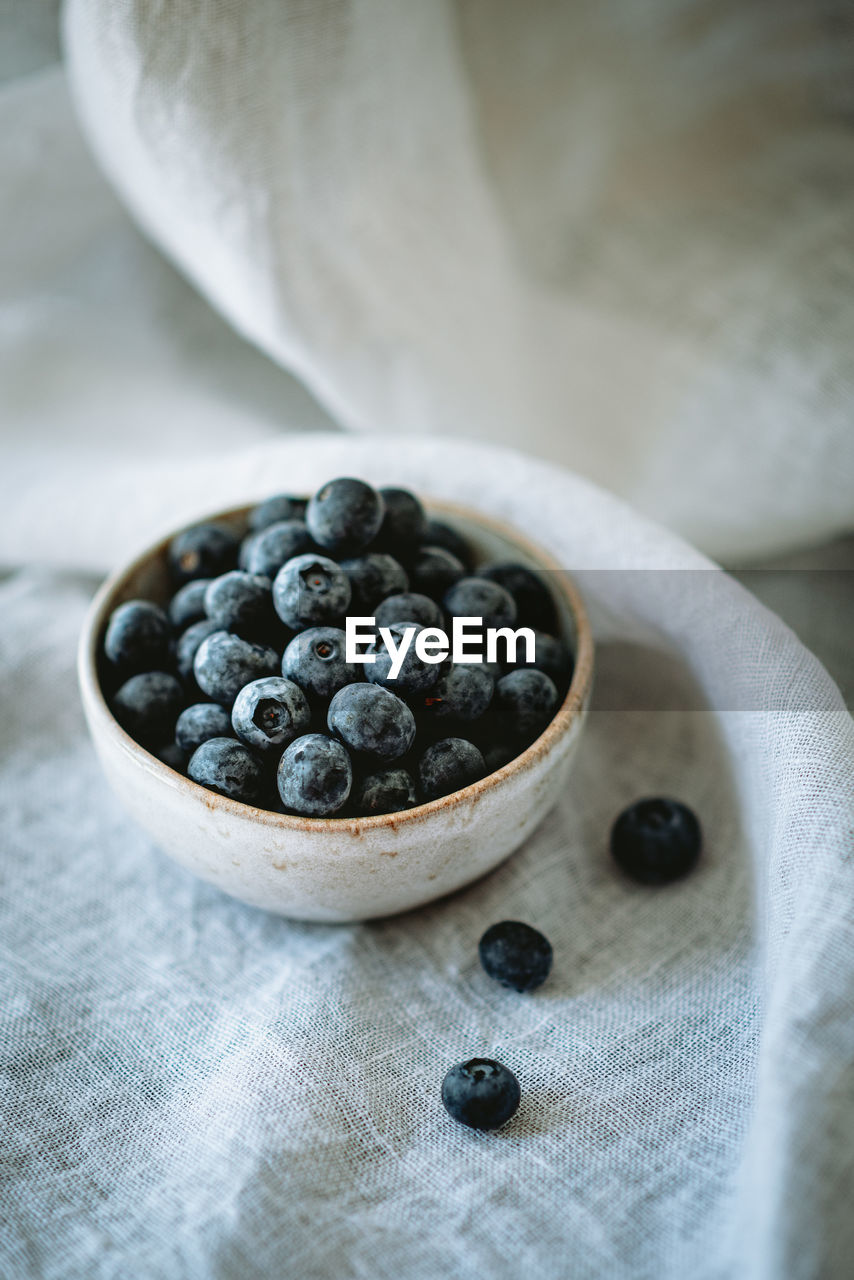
x=615, y=233
x=210, y=1091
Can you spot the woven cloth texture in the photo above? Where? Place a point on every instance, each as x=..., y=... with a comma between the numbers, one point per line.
x=196, y=1088
x=191, y=1088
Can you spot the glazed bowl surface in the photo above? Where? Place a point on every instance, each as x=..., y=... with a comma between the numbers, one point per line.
x=340, y=869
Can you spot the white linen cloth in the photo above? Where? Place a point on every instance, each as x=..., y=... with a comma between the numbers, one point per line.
x=191, y=1088
x=620, y=233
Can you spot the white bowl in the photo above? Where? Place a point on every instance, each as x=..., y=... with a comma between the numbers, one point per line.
x=340, y=869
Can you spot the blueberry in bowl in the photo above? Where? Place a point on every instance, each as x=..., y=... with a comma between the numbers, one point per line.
x=338, y=742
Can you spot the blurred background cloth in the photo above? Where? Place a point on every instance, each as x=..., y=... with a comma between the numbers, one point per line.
x=615, y=236
x=617, y=233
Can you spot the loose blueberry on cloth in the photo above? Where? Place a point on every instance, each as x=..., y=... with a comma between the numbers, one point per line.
x=382, y=736
x=656, y=840
x=516, y=954
x=481, y=1093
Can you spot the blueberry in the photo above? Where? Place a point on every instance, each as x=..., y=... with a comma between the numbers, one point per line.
x=372, y=721
x=433, y=570
x=388, y=791
x=199, y=722
x=373, y=576
x=526, y=701
x=269, y=713
x=480, y=598
x=481, y=1093
x=204, y=551
x=550, y=655
x=449, y=766
x=268, y=550
x=439, y=534
x=311, y=591
x=245, y=550
x=462, y=692
x=228, y=767
x=243, y=603
x=188, y=603
x=188, y=643
x=404, y=520
x=516, y=955
x=282, y=506
x=315, y=660
x=656, y=840
x=147, y=706
x=137, y=637
x=409, y=606
x=344, y=515
x=415, y=675
x=535, y=606
x=314, y=776
x=224, y=664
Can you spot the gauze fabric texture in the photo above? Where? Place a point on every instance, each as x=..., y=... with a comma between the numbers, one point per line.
x=619, y=233
x=191, y=1088
x=195, y=1088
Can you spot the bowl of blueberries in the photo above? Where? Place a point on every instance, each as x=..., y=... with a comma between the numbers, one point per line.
x=338, y=707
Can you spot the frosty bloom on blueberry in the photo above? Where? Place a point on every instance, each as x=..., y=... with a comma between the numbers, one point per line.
x=316, y=660
x=310, y=590
x=314, y=776
x=343, y=655
x=199, y=723
x=345, y=515
x=269, y=713
x=276, y=545
x=228, y=767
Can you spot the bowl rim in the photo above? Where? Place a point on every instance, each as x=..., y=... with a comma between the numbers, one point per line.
x=571, y=708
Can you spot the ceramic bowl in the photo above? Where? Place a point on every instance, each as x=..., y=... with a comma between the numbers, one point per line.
x=340, y=869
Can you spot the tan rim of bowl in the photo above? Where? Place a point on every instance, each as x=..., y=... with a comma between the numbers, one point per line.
x=571, y=706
